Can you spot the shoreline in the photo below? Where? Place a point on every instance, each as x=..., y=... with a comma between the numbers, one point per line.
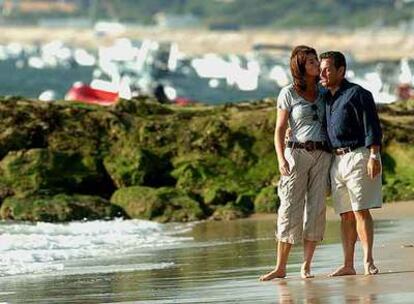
x=363, y=44
x=389, y=211
x=222, y=264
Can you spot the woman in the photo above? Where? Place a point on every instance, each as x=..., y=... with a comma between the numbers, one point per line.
x=304, y=162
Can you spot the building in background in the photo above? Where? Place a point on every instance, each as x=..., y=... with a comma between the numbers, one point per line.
x=9, y=7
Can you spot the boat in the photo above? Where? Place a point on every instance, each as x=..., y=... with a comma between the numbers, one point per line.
x=87, y=94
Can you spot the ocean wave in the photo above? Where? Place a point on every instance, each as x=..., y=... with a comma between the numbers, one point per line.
x=43, y=247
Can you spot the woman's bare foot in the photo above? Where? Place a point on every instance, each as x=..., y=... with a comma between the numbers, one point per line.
x=274, y=274
x=305, y=272
x=370, y=268
x=343, y=271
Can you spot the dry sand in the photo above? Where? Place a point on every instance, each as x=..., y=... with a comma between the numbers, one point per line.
x=363, y=44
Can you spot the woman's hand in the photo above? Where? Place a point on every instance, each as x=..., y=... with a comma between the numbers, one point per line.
x=284, y=167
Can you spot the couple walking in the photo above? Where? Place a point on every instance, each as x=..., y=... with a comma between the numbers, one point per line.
x=334, y=138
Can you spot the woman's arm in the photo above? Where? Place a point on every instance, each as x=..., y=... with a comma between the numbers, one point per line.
x=280, y=132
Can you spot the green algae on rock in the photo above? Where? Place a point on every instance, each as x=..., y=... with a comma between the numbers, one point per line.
x=160, y=204
x=267, y=200
x=161, y=162
x=59, y=208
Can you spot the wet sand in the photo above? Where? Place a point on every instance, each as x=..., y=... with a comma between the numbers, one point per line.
x=223, y=262
x=364, y=44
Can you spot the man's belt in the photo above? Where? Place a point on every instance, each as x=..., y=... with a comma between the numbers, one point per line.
x=345, y=150
x=309, y=145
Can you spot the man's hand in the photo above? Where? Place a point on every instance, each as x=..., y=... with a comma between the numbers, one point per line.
x=284, y=167
x=374, y=167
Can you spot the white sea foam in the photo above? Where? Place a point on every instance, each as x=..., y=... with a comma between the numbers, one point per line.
x=44, y=247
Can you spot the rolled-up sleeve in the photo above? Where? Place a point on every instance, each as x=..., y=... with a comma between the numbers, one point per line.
x=370, y=120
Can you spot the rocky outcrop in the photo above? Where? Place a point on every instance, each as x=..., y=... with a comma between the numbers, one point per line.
x=66, y=161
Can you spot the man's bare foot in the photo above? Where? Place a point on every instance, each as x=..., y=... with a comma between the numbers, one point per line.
x=305, y=272
x=343, y=271
x=274, y=274
x=370, y=269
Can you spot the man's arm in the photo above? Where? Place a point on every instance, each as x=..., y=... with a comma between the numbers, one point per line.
x=372, y=132
x=370, y=120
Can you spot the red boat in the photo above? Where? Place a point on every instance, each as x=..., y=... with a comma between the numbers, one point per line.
x=92, y=95
x=87, y=94
x=405, y=91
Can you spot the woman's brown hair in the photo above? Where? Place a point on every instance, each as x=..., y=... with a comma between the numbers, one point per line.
x=297, y=66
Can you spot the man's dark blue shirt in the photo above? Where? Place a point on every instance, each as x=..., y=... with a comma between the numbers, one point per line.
x=351, y=117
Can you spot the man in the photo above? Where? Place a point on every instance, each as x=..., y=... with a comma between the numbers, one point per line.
x=355, y=136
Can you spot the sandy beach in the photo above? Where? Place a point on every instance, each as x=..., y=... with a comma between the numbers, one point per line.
x=221, y=263
x=364, y=44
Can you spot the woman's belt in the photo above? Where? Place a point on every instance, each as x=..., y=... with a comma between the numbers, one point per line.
x=309, y=145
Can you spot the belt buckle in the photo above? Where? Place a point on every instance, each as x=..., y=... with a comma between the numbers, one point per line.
x=342, y=151
x=309, y=146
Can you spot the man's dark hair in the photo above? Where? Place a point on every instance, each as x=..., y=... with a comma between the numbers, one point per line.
x=337, y=57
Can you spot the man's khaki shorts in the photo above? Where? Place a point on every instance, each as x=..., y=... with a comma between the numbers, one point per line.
x=352, y=188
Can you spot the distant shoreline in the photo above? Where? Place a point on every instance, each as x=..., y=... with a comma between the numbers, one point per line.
x=363, y=44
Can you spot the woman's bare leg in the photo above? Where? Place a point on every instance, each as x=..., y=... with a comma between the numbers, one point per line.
x=283, y=250
x=308, y=251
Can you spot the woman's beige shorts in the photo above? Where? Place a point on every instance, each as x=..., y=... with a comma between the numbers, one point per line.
x=302, y=194
x=352, y=188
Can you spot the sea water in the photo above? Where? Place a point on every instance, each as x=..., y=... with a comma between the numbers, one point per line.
x=43, y=248
x=135, y=261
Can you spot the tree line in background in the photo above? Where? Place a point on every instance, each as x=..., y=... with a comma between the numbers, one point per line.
x=247, y=13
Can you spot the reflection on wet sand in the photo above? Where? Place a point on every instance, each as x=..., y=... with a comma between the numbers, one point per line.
x=384, y=288
x=221, y=264
x=314, y=293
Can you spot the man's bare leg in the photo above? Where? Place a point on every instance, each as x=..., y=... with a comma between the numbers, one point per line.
x=283, y=250
x=349, y=238
x=308, y=251
x=365, y=229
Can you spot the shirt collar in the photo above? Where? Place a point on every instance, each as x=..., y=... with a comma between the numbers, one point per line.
x=342, y=87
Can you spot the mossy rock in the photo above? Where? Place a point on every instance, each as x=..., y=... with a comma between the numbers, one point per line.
x=42, y=171
x=191, y=174
x=86, y=131
x=162, y=204
x=245, y=202
x=241, y=207
x=133, y=166
x=218, y=195
x=396, y=189
x=142, y=106
x=218, y=153
x=398, y=175
x=17, y=137
x=59, y=208
x=228, y=212
x=179, y=206
x=267, y=200
x=214, y=135
x=242, y=156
